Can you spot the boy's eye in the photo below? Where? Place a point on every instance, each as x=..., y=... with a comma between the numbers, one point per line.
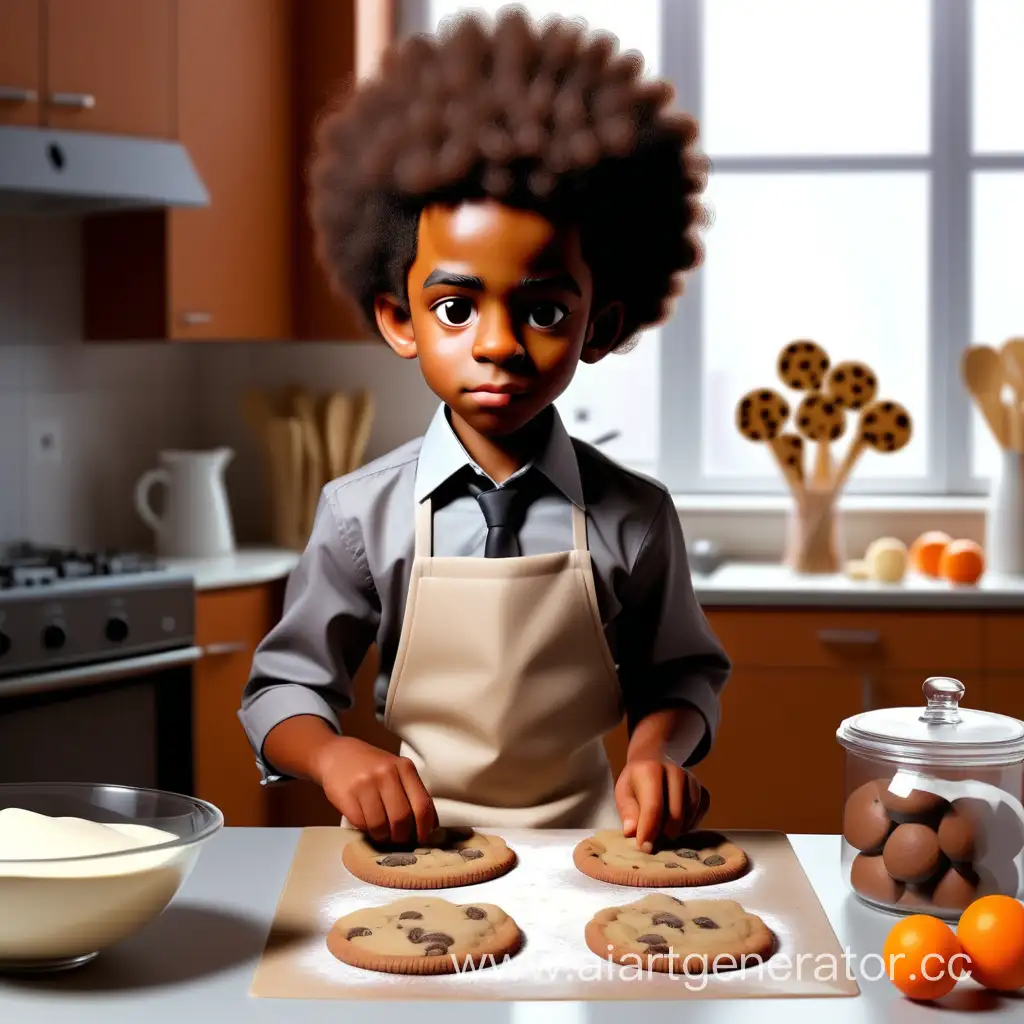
x=454, y=312
x=545, y=315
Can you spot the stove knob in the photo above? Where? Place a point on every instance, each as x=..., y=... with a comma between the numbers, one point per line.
x=5, y=644
x=53, y=638
x=116, y=630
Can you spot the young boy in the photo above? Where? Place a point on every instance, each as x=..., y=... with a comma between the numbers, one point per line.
x=503, y=205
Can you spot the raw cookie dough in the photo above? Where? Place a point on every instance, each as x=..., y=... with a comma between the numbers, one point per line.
x=661, y=933
x=454, y=857
x=695, y=858
x=424, y=935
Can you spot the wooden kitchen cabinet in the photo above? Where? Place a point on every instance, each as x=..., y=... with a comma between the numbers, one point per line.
x=21, y=78
x=110, y=66
x=229, y=625
x=224, y=271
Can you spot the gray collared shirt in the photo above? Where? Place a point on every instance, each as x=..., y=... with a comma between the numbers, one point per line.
x=349, y=588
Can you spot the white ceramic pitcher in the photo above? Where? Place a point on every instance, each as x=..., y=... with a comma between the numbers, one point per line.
x=1004, y=525
x=196, y=522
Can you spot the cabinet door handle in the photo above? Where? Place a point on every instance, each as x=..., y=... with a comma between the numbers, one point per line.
x=195, y=318
x=229, y=647
x=77, y=100
x=15, y=94
x=849, y=637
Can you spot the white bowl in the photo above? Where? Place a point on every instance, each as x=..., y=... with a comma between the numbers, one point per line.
x=62, y=912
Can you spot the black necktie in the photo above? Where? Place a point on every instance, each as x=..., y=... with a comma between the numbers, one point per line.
x=502, y=514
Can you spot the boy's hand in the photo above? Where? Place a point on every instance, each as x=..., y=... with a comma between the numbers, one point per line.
x=378, y=792
x=655, y=797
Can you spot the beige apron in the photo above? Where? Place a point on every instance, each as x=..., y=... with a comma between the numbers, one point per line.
x=504, y=687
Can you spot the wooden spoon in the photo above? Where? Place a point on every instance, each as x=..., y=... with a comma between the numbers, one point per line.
x=1012, y=358
x=362, y=422
x=982, y=371
x=337, y=431
x=304, y=410
x=285, y=443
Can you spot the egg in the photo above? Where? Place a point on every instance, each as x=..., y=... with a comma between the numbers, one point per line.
x=869, y=877
x=915, y=897
x=917, y=807
x=886, y=559
x=956, y=836
x=956, y=889
x=866, y=824
x=912, y=853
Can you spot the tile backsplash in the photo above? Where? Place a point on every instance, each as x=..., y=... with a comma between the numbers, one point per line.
x=116, y=406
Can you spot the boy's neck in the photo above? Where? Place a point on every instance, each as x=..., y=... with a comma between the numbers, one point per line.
x=500, y=457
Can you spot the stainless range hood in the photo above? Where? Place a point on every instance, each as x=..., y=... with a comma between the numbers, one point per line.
x=62, y=172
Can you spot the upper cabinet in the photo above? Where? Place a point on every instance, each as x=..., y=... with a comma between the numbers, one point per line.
x=110, y=66
x=249, y=78
x=89, y=65
x=21, y=83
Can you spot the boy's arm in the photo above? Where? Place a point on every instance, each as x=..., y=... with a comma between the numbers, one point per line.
x=672, y=667
x=302, y=670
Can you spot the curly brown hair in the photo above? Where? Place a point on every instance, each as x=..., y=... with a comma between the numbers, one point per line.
x=546, y=117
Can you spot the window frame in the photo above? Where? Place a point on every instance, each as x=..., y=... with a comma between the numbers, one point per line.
x=950, y=164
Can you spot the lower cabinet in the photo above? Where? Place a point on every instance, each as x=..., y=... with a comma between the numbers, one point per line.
x=229, y=625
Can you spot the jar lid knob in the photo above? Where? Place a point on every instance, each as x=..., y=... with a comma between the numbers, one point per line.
x=943, y=695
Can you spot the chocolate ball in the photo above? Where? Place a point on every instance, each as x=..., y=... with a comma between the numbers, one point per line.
x=866, y=824
x=912, y=853
x=869, y=877
x=956, y=836
x=916, y=808
x=956, y=889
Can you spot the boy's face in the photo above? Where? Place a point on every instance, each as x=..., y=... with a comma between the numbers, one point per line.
x=501, y=305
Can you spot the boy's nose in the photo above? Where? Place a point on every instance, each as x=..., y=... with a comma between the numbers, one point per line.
x=496, y=339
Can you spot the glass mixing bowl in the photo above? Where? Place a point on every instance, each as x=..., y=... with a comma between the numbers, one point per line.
x=61, y=912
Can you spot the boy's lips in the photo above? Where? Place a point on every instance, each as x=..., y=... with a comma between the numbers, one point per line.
x=496, y=396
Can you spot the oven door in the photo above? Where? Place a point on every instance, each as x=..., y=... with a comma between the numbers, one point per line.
x=126, y=722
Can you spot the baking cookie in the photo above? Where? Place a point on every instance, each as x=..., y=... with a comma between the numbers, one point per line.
x=820, y=419
x=661, y=933
x=802, y=365
x=454, y=857
x=696, y=858
x=851, y=384
x=885, y=426
x=424, y=935
x=760, y=414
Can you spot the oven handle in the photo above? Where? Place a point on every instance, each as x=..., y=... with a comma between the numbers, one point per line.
x=94, y=675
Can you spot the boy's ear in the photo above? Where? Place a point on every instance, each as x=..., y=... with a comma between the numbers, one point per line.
x=395, y=324
x=604, y=333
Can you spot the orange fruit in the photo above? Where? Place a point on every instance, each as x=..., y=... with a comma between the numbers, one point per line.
x=926, y=551
x=962, y=561
x=991, y=932
x=923, y=958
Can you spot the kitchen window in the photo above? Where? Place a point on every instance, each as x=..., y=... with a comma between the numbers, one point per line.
x=867, y=190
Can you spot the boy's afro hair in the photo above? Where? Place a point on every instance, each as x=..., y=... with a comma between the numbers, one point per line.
x=550, y=118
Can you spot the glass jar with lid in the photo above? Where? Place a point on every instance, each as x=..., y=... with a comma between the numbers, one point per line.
x=933, y=818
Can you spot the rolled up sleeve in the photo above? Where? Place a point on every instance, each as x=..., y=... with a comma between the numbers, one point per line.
x=305, y=664
x=669, y=657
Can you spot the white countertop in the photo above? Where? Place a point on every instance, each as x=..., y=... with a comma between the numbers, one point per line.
x=734, y=584
x=246, y=567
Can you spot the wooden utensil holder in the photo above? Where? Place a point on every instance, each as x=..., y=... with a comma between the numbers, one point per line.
x=814, y=536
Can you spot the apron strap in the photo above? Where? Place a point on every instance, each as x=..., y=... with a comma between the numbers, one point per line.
x=424, y=529
x=579, y=528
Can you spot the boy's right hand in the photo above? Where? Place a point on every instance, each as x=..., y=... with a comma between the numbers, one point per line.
x=380, y=793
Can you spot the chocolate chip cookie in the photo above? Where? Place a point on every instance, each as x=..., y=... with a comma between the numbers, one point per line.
x=802, y=365
x=662, y=933
x=696, y=858
x=424, y=935
x=451, y=857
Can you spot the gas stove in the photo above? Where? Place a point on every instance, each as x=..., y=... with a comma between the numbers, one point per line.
x=61, y=607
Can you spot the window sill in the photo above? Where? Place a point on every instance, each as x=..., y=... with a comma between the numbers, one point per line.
x=726, y=504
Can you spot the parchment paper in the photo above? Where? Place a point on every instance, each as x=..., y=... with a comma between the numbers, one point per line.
x=551, y=901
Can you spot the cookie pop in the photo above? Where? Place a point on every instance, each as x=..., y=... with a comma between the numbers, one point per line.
x=884, y=426
x=760, y=416
x=821, y=420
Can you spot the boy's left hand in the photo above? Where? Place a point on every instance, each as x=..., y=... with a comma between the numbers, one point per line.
x=655, y=797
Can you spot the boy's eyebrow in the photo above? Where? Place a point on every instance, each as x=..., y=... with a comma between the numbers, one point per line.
x=562, y=282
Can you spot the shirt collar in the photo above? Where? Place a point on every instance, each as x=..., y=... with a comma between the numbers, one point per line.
x=442, y=456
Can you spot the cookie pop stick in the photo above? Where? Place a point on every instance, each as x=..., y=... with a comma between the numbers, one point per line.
x=760, y=416
x=802, y=365
x=852, y=385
